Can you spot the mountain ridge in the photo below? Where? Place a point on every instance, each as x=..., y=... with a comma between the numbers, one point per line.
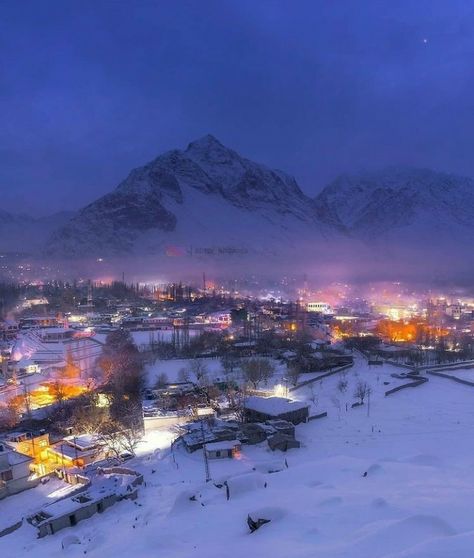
x=207, y=194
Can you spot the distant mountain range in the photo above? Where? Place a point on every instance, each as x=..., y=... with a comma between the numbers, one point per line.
x=26, y=234
x=208, y=196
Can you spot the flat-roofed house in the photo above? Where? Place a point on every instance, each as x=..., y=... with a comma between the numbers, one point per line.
x=14, y=471
x=261, y=409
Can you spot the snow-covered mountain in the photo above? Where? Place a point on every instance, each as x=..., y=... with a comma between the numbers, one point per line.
x=207, y=198
x=26, y=234
x=204, y=196
x=396, y=205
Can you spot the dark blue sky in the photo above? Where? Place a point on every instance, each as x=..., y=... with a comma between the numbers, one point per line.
x=90, y=89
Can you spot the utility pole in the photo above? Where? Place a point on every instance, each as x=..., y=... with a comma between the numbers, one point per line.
x=368, y=401
x=26, y=391
x=206, y=460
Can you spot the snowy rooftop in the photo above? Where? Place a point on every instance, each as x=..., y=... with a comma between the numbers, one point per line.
x=70, y=452
x=14, y=457
x=83, y=441
x=224, y=445
x=274, y=406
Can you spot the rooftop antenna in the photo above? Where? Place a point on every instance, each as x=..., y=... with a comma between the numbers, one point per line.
x=204, y=282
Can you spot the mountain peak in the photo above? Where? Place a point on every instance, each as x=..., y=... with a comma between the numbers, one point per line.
x=208, y=150
x=206, y=143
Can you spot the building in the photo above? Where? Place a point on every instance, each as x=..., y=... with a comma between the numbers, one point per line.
x=49, y=349
x=33, y=445
x=221, y=450
x=320, y=307
x=14, y=471
x=120, y=484
x=8, y=330
x=261, y=409
x=282, y=442
x=75, y=451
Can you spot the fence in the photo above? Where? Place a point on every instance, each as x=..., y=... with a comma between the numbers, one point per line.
x=418, y=381
x=321, y=415
x=453, y=378
x=326, y=375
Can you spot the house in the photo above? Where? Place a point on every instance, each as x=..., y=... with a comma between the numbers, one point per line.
x=49, y=349
x=115, y=485
x=282, y=442
x=283, y=426
x=221, y=450
x=253, y=433
x=14, y=472
x=75, y=451
x=32, y=444
x=261, y=409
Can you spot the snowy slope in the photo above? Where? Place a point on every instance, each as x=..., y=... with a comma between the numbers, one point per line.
x=416, y=205
x=204, y=195
x=415, y=502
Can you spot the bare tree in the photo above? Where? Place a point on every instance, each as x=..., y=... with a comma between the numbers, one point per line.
x=257, y=370
x=86, y=415
x=313, y=394
x=229, y=364
x=294, y=372
x=131, y=438
x=58, y=391
x=237, y=399
x=361, y=391
x=110, y=438
x=115, y=438
x=199, y=369
x=337, y=404
x=161, y=380
x=342, y=385
x=184, y=375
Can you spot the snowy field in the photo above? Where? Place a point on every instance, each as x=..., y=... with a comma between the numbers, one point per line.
x=416, y=501
x=213, y=367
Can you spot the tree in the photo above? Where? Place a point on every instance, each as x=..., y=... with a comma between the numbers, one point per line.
x=86, y=416
x=342, y=385
x=58, y=391
x=361, y=391
x=199, y=369
x=313, y=394
x=337, y=404
x=184, y=375
x=9, y=414
x=117, y=436
x=110, y=438
x=256, y=370
x=122, y=367
x=229, y=364
x=294, y=372
x=162, y=380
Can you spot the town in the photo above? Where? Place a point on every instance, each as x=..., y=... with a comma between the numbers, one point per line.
x=98, y=377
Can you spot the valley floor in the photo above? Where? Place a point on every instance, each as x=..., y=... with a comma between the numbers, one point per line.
x=416, y=500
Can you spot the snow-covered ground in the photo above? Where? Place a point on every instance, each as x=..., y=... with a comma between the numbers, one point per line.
x=416, y=500
x=213, y=368
x=462, y=373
